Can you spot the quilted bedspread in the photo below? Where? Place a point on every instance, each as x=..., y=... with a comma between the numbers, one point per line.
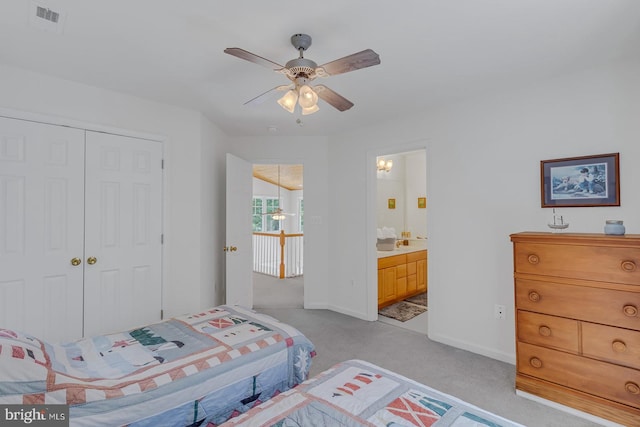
x=358, y=393
x=210, y=365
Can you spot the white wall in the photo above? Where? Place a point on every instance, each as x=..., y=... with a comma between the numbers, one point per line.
x=483, y=159
x=192, y=146
x=415, y=187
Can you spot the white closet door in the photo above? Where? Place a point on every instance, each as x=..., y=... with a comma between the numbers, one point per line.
x=41, y=217
x=123, y=226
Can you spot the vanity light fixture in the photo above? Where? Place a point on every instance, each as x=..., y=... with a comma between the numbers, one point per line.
x=384, y=165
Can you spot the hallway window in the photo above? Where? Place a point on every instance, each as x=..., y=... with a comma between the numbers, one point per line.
x=262, y=222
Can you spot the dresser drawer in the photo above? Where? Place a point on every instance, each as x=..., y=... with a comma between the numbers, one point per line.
x=600, y=263
x=602, y=379
x=548, y=331
x=610, y=307
x=615, y=345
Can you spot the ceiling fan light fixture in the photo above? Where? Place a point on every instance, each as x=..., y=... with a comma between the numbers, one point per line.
x=308, y=98
x=288, y=101
x=310, y=110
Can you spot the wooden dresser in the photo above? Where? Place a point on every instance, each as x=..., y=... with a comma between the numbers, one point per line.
x=577, y=299
x=401, y=276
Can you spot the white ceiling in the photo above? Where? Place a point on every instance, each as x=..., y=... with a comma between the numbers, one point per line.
x=431, y=51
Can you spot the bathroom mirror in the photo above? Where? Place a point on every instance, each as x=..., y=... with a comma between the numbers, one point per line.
x=403, y=177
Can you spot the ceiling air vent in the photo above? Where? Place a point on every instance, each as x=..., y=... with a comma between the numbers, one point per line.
x=46, y=19
x=47, y=14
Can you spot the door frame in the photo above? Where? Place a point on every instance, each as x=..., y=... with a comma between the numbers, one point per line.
x=271, y=161
x=371, y=218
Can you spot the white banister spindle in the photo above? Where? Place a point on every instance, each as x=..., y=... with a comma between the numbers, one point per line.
x=267, y=251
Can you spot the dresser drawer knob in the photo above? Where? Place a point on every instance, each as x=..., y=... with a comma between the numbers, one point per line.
x=545, y=331
x=533, y=259
x=619, y=346
x=534, y=296
x=535, y=362
x=630, y=310
x=628, y=266
x=632, y=387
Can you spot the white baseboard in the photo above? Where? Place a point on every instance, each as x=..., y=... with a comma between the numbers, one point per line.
x=572, y=411
x=484, y=351
x=348, y=312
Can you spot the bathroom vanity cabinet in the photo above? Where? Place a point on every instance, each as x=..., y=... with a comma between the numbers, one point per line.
x=401, y=276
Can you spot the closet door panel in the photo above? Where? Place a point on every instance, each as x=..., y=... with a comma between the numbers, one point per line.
x=123, y=232
x=41, y=217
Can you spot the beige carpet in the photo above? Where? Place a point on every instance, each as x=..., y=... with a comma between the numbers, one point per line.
x=272, y=292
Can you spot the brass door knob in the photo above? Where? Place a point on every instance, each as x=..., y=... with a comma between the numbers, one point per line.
x=75, y=261
x=233, y=249
x=92, y=260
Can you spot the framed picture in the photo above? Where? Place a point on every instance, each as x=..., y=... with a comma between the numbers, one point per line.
x=581, y=181
x=392, y=203
x=422, y=202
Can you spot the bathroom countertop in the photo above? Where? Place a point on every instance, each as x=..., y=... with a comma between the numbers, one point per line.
x=402, y=250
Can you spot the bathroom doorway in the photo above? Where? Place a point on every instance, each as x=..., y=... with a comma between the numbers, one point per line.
x=401, y=219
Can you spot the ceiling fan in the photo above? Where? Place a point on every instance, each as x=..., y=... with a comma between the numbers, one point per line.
x=278, y=214
x=302, y=71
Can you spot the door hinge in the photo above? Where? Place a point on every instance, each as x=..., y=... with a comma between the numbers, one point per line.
x=161, y=314
x=162, y=239
x=162, y=164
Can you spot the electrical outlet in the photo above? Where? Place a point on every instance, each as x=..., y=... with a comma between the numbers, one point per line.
x=500, y=312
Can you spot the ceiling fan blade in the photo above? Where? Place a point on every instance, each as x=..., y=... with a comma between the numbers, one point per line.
x=353, y=62
x=336, y=100
x=251, y=57
x=271, y=93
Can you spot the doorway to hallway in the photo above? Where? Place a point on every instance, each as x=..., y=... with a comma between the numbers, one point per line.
x=278, y=236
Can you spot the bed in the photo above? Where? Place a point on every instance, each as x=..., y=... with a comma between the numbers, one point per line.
x=358, y=393
x=195, y=369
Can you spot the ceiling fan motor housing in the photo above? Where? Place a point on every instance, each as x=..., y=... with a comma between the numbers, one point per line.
x=301, y=41
x=302, y=67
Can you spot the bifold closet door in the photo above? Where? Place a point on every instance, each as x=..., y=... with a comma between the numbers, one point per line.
x=123, y=232
x=41, y=232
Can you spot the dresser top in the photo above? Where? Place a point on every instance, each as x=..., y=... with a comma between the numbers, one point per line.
x=600, y=239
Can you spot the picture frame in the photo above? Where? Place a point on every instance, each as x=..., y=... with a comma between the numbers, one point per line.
x=392, y=203
x=422, y=202
x=580, y=181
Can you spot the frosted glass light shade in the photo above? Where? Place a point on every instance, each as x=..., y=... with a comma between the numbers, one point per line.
x=288, y=101
x=308, y=98
x=310, y=110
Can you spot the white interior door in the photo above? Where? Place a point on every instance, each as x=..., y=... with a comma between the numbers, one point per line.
x=123, y=232
x=239, y=243
x=41, y=217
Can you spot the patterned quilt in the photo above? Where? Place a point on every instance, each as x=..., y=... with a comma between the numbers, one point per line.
x=357, y=393
x=210, y=365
